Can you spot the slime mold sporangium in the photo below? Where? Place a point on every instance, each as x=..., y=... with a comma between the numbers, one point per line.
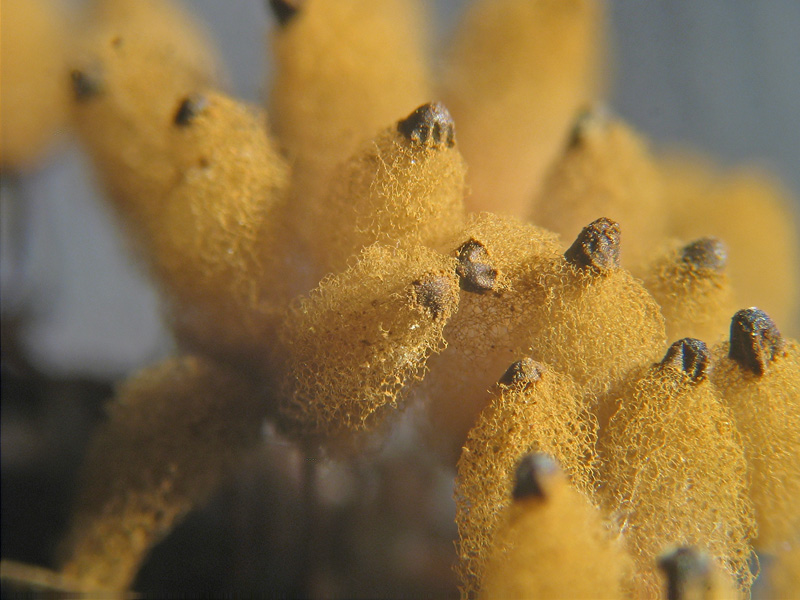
x=344, y=312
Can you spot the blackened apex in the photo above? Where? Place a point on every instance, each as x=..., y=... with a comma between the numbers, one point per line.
x=596, y=247
x=534, y=475
x=86, y=84
x=707, y=253
x=686, y=569
x=189, y=108
x=432, y=291
x=430, y=125
x=285, y=10
x=522, y=371
x=755, y=340
x=475, y=270
x=690, y=356
x=589, y=120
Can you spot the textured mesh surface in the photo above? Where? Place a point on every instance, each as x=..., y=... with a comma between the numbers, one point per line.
x=489, y=330
x=35, y=93
x=172, y=433
x=553, y=546
x=543, y=415
x=517, y=73
x=606, y=171
x=593, y=326
x=675, y=473
x=752, y=215
x=360, y=338
x=217, y=244
x=138, y=60
x=766, y=409
x=393, y=188
x=696, y=297
x=344, y=70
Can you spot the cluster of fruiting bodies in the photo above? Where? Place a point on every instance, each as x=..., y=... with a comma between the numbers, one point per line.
x=326, y=269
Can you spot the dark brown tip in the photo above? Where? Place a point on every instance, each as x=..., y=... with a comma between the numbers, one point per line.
x=430, y=125
x=534, y=476
x=588, y=120
x=189, y=108
x=522, y=371
x=689, y=356
x=474, y=268
x=707, y=253
x=596, y=247
x=285, y=10
x=688, y=571
x=432, y=291
x=86, y=84
x=755, y=340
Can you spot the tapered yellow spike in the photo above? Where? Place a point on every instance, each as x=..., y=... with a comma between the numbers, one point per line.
x=532, y=408
x=404, y=187
x=344, y=70
x=551, y=542
x=673, y=469
x=751, y=211
x=137, y=61
x=758, y=373
x=692, y=287
x=517, y=74
x=217, y=246
x=173, y=432
x=356, y=342
x=606, y=171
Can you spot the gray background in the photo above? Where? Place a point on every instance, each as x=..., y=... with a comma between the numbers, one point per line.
x=721, y=75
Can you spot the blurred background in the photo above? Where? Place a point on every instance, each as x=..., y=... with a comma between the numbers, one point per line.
x=721, y=76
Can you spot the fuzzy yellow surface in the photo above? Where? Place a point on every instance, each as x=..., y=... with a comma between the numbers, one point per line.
x=136, y=62
x=34, y=95
x=674, y=469
x=766, y=410
x=607, y=171
x=174, y=430
x=490, y=329
x=344, y=70
x=396, y=188
x=751, y=212
x=543, y=412
x=691, y=285
x=216, y=246
x=358, y=340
